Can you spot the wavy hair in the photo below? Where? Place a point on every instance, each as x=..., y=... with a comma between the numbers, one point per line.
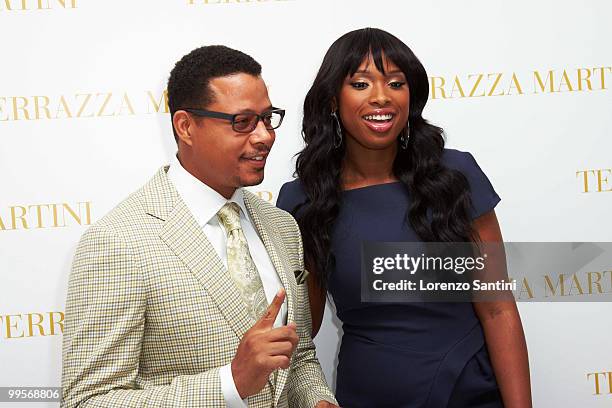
x=440, y=199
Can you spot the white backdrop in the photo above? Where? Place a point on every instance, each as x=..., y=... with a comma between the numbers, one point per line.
x=523, y=85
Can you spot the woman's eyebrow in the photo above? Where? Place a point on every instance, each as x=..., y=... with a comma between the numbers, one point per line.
x=388, y=73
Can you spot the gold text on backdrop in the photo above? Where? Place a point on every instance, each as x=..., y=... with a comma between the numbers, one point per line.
x=600, y=380
x=24, y=5
x=487, y=84
x=16, y=326
x=598, y=183
x=36, y=216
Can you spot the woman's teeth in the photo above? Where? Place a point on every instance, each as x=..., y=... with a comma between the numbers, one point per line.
x=379, y=118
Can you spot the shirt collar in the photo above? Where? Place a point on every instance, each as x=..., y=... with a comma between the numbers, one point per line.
x=201, y=199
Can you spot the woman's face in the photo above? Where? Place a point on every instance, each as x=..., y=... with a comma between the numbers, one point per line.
x=373, y=106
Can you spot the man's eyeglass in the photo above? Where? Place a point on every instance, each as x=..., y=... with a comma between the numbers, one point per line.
x=245, y=122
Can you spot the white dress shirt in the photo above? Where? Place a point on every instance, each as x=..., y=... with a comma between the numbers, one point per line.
x=204, y=203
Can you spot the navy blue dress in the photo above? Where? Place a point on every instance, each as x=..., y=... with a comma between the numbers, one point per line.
x=417, y=355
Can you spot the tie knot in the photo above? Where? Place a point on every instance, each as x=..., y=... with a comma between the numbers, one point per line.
x=229, y=216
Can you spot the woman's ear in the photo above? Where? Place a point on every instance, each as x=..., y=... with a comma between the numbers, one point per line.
x=334, y=104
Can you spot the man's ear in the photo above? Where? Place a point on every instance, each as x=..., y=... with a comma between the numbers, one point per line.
x=183, y=123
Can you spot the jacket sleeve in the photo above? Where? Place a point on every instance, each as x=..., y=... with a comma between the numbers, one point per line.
x=104, y=327
x=306, y=382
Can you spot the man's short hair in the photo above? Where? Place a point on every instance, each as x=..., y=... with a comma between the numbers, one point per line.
x=188, y=85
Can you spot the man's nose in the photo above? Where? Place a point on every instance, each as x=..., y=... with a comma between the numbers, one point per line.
x=262, y=135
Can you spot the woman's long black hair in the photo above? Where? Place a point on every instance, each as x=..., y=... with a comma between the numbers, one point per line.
x=432, y=187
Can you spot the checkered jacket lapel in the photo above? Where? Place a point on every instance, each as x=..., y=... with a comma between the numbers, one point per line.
x=182, y=233
x=277, y=252
x=187, y=240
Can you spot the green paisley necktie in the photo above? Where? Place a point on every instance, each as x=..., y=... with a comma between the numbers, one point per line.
x=239, y=262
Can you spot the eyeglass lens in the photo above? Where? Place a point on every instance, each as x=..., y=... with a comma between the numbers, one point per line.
x=248, y=122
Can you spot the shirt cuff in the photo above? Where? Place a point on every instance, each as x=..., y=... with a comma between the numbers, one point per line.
x=228, y=388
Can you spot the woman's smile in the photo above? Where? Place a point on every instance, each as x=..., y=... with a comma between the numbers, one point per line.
x=379, y=120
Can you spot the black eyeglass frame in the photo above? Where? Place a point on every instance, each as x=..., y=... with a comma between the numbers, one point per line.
x=232, y=117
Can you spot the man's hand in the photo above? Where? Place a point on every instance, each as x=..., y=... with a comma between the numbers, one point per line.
x=325, y=404
x=262, y=350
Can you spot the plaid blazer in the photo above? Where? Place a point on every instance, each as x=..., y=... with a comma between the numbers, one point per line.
x=152, y=313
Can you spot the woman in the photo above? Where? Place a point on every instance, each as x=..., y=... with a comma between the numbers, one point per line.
x=374, y=169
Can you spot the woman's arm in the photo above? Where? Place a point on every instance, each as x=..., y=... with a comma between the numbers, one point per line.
x=317, y=299
x=504, y=333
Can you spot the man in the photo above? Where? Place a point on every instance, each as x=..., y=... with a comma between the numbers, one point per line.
x=190, y=293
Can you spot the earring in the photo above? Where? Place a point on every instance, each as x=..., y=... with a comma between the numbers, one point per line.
x=338, y=135
x=404, y=138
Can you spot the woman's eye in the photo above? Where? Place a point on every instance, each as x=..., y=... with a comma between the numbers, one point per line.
x=359, y=85
x=397, y=84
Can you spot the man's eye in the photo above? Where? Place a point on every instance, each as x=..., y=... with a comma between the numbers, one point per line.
x=242, y=120
x=397, y=84
x=359, y=85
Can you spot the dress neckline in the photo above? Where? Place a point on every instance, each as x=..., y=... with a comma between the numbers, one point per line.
x=372, y=186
